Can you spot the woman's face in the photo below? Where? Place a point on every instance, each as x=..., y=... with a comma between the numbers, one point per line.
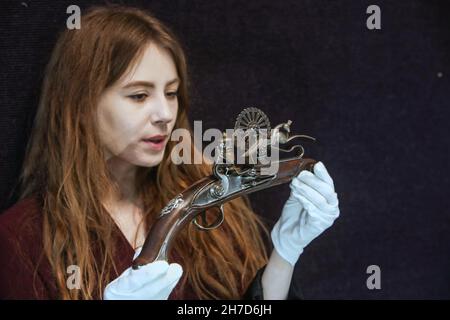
x=141, y=105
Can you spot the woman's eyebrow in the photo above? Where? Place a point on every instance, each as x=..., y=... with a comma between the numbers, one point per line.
x=147, y=83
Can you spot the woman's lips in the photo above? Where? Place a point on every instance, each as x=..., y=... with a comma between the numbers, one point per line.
x=156, y=144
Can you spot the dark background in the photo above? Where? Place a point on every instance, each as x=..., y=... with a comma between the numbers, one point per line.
x=376, y=100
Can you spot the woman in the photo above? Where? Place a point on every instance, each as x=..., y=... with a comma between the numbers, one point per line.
x=98, y=169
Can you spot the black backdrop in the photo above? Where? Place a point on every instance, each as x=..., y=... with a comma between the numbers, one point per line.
x=376, y=100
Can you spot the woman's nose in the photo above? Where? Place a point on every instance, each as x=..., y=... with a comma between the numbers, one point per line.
x=161, y=113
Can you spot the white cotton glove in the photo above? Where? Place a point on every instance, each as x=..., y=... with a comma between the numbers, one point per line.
x=311, y=208
x=153, y=281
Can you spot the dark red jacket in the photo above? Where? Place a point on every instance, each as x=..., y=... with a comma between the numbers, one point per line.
x=21, y=250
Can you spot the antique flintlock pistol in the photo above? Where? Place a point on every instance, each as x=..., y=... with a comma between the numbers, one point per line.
x=228, y=181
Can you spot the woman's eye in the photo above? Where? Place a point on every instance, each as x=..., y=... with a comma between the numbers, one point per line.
x=172, y=94
x=140, y=97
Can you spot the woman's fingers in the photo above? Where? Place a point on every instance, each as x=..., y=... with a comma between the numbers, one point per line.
x=323, y=191
x=322, y=173
x=155, y=272
x=315, y=197
x=317, y=217
x=147, y=273
x=174, y=272
x=162, y=287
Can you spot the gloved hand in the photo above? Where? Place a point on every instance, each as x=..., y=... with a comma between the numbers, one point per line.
x=311, y=208
x=153, y=281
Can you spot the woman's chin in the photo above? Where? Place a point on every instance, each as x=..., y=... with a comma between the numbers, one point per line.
x=150, y=161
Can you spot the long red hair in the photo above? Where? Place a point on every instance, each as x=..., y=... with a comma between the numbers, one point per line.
x=65, y=165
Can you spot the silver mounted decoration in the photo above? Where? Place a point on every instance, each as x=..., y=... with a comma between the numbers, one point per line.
x=234, y=177
x=173, y=204
x=253, y=119
x=252, y=122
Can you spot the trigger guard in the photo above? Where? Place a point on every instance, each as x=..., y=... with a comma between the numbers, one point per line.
x=214, y=225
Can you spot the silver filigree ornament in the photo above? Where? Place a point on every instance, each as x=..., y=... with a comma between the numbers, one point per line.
x=173, y=204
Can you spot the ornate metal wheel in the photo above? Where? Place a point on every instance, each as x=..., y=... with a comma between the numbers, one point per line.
x=252, y=118
x=253, y=121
